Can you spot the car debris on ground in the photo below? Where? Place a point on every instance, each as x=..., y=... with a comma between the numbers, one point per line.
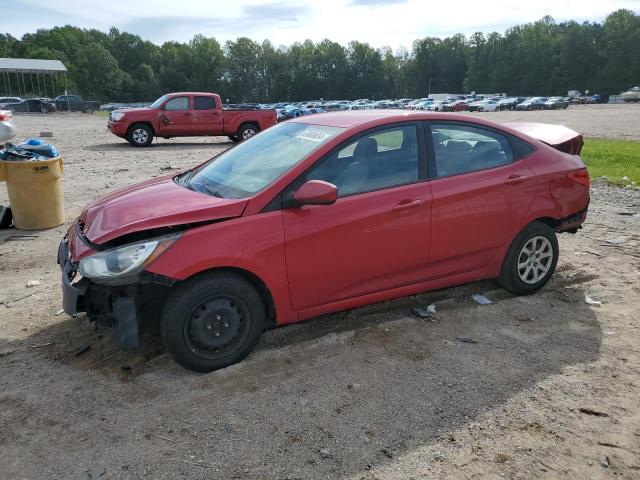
x=481, y=299
x=590, y=301
x=466, y=340
x=425, y=312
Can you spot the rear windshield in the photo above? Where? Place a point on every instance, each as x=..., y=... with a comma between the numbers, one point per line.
x=254, y=164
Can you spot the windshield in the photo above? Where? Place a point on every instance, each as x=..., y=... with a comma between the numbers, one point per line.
x=157, y=103
x=252, y=165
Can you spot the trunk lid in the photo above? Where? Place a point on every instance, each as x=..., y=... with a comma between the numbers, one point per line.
x=557, y=136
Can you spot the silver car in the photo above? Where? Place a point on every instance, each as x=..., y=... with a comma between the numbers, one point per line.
x=7, y=128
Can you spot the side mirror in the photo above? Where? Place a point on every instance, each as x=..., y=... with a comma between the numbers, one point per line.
x=316, y=192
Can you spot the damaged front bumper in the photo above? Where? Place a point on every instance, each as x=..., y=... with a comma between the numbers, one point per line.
x=127, y=309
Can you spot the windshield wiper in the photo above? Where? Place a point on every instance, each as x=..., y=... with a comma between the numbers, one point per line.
x=211, y=190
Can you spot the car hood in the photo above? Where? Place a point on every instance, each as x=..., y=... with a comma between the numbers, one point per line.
x=153, y=204
x=132, y=110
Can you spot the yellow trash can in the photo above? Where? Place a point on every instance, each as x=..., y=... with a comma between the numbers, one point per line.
x=35, y=192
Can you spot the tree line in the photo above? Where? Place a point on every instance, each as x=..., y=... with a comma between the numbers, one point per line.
x=543, y=57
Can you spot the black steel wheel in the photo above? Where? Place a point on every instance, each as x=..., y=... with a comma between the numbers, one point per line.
x=212, y=321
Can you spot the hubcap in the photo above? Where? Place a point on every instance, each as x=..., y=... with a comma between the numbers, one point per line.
x=216, y=327
x=140, y=135
x=534, y=260
x=248, y=133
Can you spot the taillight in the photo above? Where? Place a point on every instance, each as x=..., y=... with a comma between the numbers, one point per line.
x=580, y=176
x=5, y=115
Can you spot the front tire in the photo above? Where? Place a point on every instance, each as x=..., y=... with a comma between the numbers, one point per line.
x=234, y=138
x=530, y=260
x=140, y=135
x=212, y=321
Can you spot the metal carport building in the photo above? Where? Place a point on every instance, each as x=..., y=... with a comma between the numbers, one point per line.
x=32, y=77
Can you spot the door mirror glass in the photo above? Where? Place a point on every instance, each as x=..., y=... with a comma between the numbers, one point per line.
x=316, y=192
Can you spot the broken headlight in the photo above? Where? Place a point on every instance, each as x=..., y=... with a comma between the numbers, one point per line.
x=124, y=261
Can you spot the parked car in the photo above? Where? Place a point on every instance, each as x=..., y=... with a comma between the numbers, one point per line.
x=534, y=103
x=631, y=95
x=510, y=103
x=32, y=105
x=483, y=106
x=421, y=105
x=320, y=214
x=597, y=98
x=73, y=103
x=333, y=107
x=412, y=104
x=188, y=114
x=435, y=106
x=7, y=128
x=455, y=106
x=554, y=103
x=6, y=100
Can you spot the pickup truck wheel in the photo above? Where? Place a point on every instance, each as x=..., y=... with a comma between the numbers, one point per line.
x=140, y=135
x=234, y=138
x=246, y=131
x=212, y=321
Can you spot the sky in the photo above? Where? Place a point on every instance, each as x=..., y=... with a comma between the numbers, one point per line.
x=394, y=23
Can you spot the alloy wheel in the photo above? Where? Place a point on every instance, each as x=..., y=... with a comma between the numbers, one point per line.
x=248, y=133
x=140, y=135
x=534, y=260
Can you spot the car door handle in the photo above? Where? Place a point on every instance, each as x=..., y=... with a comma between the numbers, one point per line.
x=188, y=114
x=515, y=179
x=405, y=204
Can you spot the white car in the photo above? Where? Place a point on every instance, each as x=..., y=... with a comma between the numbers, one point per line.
x=483, y=106
x=435, y=106
x=7, y=128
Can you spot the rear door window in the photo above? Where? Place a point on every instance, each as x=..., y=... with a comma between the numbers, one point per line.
x=462, y=148
x=204, y=103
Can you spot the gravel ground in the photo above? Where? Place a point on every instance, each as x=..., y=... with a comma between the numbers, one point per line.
x=550, y=389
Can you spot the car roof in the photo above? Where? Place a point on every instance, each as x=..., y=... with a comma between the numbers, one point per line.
x=373, y=118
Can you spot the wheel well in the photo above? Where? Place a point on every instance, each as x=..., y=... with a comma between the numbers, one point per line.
x=148, y=124
x=257, y=283
x=552, y=222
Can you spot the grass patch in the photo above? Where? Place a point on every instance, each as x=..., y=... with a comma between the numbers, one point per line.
x=614, y=159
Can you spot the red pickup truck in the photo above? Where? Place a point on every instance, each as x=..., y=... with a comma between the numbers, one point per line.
x=187, y=114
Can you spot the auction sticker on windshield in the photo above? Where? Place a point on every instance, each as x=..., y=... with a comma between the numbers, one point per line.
x=313, y=135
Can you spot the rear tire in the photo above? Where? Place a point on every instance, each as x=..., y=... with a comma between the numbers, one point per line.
x=245, y=132
x=140, y=135
x=530, y=260
x=212, y=321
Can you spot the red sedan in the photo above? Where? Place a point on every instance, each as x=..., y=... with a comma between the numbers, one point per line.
x=320, y=214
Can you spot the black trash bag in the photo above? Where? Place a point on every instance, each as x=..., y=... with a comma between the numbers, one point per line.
x=6, y=218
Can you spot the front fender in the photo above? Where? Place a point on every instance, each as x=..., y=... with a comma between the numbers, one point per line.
x=254, y=243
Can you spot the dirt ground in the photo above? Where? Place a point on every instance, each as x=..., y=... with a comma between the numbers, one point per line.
x=551, y=389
